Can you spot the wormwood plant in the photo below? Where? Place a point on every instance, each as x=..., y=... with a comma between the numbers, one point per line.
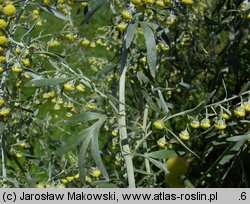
x=140, y=93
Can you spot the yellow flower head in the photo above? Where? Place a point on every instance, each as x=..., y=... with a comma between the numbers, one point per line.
x=114, y=133
x=246, y=106
x=57, y=107
x=88, y=179
x=136, y=2
x=167, y=2
x=71, y=36
x=121, y=26
x=84, y=4
x=40, y=185
x=2, y=59
x=85, y=42
x=4, y=111
x=80, y=88
x=39, y=23
x=17, y=69
x=91, y=106
x=187, y=2
x=23, y=144
x=126, y=15
x=149, y=1
x=9, y=10
x=239, y=112
x=3, y=24
x=67, y=104
x=18, y=155
x=195, y=124
x=64, y=181
x=226, y=116
x=92, y=44
x=69, y=87
x=46, y=2
x=95, y=172
x=220, y=124
x=26, y=62
x=248, y=16
x=1, y=101
x=160, y=3
x=3, y=40
x=53, y=43
x=158, y=125
x=70, y=178
x=161, y=142
x=184, y=135
x=77, y=176
x=69, y=114
x=171, y=21
x=205, y=123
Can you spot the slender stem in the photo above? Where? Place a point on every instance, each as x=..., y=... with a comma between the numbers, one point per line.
x=145, y=146
x=3, y=158
x=126, y=152
x=210, y=105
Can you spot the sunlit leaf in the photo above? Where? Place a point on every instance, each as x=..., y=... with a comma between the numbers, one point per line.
x=151, y=48
x=131, y=30
x=164, y=154
x=54, y=12
x=160, y=165
x=92, y=10
x=85, y=117
x=239, y=138
x=232, y=152
x=46, y=82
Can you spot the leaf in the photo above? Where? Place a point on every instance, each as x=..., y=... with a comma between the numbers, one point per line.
x=164, y=154
x=210, y=96
x=246, y=7
x=160, y=165
x=29, y=31
x=232, y=152
x=82, y=135
x=96, y=152
x=142, y=77
x=185, y=85
x=131, y=30
x=239, y=138
x=54, y=55
x=98, y=4
x=150, y=101
x=87, y=136
x=151, y=48
x=85, y=117
x=163, y=102
x=154, y=26
x=81, y=157
x=165, y=38
x=54, y=12
x=244, y=88
x=13, y=181
x=46, y=82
